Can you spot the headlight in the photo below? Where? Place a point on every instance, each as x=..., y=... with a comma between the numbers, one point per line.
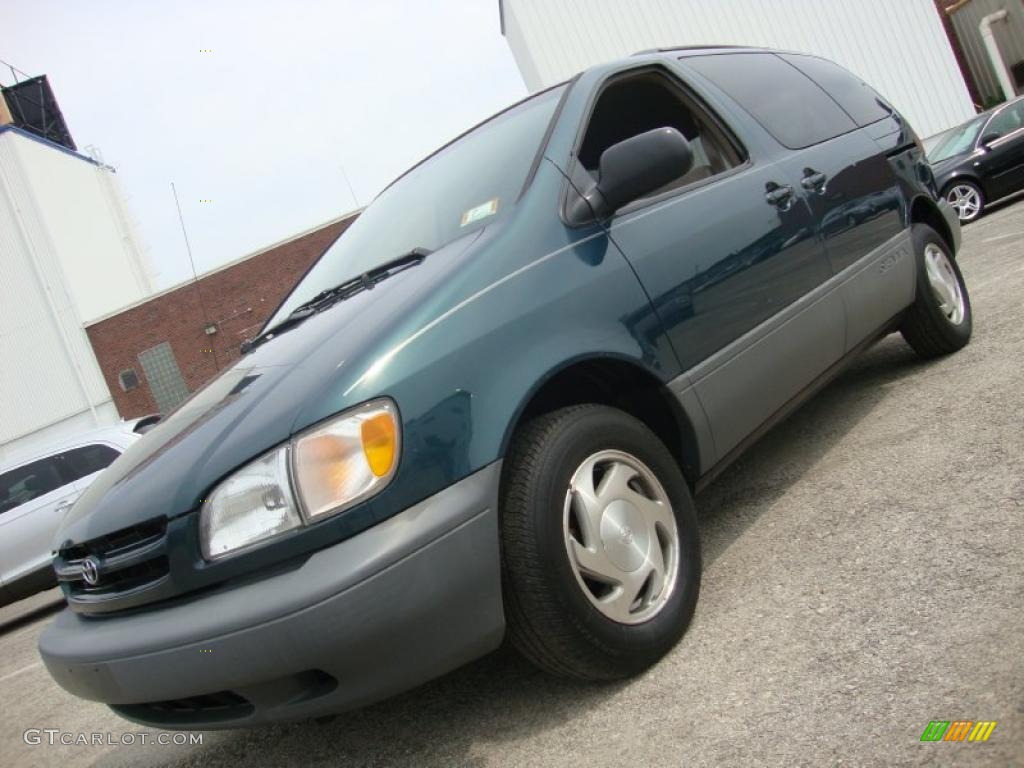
x=346, y=460
x=334, y=466
x=253, y=504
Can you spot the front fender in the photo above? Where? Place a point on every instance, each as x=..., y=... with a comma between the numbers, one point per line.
x=463, y=378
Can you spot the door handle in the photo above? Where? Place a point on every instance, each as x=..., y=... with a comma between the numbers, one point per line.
x=779, y=196
x=63, y=507
x=813, y=181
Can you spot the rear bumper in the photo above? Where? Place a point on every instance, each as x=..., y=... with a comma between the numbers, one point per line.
x=393, y=607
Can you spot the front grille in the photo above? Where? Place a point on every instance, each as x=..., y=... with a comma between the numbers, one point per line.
x=209, y=707
x=111, y=572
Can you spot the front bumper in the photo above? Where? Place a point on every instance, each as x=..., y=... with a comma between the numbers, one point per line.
x=388, y=609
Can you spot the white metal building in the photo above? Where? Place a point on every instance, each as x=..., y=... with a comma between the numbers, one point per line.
x=898, y=46
x=67, y=255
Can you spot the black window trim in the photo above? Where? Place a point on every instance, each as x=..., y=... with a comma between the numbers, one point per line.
x=662, y=69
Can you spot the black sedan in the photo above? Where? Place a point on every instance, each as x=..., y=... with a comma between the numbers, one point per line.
x=980, y=161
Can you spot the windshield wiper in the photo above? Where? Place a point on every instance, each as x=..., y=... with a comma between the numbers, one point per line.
x=340, y=292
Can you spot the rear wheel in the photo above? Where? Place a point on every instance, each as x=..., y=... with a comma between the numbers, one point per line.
x=940, y=320
x=601, y=553
x=967, y=200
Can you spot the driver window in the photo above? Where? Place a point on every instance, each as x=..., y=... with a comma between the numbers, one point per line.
x=640, y=103
x=1007, y=121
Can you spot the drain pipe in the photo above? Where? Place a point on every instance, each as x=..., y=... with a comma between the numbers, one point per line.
x=992, y=47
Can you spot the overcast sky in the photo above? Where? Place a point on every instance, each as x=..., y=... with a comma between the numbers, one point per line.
x=292, y=92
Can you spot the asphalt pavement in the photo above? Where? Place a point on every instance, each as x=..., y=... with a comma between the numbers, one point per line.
x=864, y=575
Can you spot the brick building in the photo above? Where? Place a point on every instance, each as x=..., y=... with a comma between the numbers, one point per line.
x=156, y=352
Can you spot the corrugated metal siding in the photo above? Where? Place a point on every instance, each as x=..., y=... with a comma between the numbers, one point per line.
x=48, y=372
x=899, y=47
x=87, y=226
x=1009, y=36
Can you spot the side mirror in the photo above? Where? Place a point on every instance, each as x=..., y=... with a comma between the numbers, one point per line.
x=989, y=138
x=638, y=166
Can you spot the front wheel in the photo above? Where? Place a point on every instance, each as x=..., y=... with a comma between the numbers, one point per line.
x=967, y=200
x=600, y=547
x=939, y=321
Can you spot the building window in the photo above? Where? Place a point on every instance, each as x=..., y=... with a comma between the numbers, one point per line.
x=129, y=379
x=164, y=377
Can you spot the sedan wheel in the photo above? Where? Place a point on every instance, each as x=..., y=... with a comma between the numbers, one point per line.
x=966, y=200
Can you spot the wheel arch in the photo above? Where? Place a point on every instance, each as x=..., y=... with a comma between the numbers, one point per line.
x=620, y=383
x=969, y=177
x=923, y=210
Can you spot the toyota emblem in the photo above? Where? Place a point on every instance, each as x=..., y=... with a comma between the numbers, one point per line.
x=91, y=570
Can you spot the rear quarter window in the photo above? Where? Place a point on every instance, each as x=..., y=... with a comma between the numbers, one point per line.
x=857, y=98
x=791, y=107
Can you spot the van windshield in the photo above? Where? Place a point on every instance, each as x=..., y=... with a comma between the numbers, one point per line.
x=460, y=189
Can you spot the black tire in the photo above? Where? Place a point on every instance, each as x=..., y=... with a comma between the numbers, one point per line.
x=925, y=326
x=977, y=190
x=551, y=621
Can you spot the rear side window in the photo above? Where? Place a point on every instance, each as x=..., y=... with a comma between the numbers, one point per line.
x=859, y=99
x=789, y=105
x=21, y=485
x=83, y=461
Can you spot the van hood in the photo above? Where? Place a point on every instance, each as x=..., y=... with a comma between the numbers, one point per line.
x=253, y=406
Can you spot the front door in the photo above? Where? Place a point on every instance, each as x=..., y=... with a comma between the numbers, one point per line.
x=33, y=501
x=728, y=256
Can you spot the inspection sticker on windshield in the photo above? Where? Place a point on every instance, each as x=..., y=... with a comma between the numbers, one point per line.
x=480, y=212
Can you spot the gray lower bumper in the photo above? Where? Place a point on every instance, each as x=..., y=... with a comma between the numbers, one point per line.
x=393, y=607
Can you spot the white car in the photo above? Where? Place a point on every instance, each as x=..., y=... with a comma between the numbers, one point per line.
x=37, y=490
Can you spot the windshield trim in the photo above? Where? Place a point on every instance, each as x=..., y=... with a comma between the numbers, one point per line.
x=543, y=146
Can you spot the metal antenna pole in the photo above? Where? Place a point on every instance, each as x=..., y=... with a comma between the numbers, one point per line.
x=351, y=191
x=195, y=276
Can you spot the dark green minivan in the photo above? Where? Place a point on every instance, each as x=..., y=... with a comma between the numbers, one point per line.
x=485, y=410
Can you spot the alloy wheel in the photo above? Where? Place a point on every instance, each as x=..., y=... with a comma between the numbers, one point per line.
x=966, y=201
